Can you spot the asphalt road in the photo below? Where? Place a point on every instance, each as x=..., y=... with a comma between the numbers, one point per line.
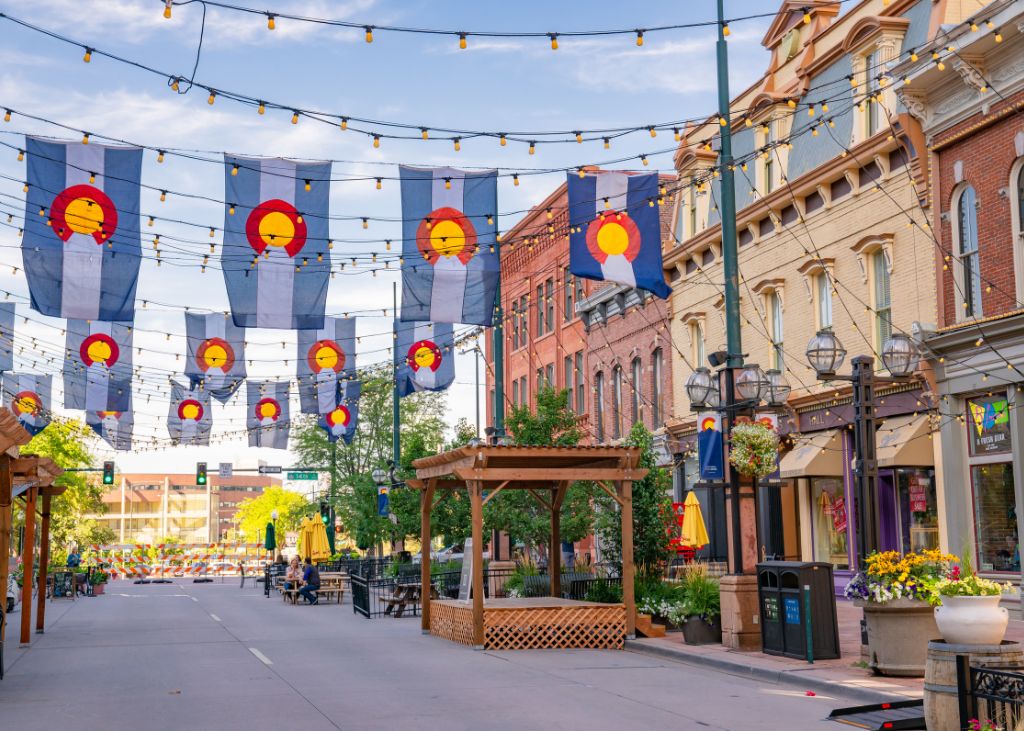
x=198, y=656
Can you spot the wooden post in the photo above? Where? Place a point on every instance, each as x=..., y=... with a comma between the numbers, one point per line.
x=626, y=492
x=44, y=560
x=477, y=509
x=5, y=527
x=26, y=564
x=426, y=506
x=555, y=559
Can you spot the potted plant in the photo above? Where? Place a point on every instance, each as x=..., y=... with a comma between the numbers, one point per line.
x=897, y=594
x=99, y=581
x=754, y=449
x=969, y=613
x=700, y=612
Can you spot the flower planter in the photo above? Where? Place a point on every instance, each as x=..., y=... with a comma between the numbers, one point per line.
x=972, y=620
x=697, y=631
x=98, y=589
x=898, y=635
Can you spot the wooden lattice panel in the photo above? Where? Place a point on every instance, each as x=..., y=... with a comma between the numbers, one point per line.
x=590, y=626
x=452, y=622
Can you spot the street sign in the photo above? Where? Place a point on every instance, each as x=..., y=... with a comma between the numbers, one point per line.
x=302, y=476
x=266, y=469
x=225, y=470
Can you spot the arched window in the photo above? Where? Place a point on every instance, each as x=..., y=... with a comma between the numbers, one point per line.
x=967, y=244
x=657, y=412
x=599, y=405
x=638, y=384
x=778, y=349
x=617, y=403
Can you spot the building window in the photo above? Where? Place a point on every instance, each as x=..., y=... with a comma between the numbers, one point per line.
x=570, y=389
x=549, y=375
x=524, y=396
x=970, y=261
x=995, y=520
x=570, y=286
x=599, y=405
x=657, y=412
x=693, y=210
x=823, y=300
x=540, y=311
x=697, y=343
x=549, y=305
x=578, y=378
x=681, y=215
x=617, y=402
x=515, y=325
x=883, y=299
x=775, y=302
x=768, y=158
x=831, y=518
x=540, y=379
x=872, y=104
x=579, y=289
x=515, y=393
x=638, y=382
x=523, y=314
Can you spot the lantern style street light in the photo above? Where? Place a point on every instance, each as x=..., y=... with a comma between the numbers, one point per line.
x=752, y=384
x=900, y=355
x=379, y=475
x=699, y=386
x=825, y=353
x=778, y=388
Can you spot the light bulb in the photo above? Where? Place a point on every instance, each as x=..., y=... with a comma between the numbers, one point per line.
x=515, y=180
x=295, y=117
x=234, y=170
x=607, y=143
x=379, y=184
x=502, y=141
x=462, y=41
x=212, y=98
x=376, y=141
x=344, y=124
x=654, y=132
x=369, y=34
x=88, y=55
x=807, y=17
x=308, y=185
x=167, y=11
x=21, y=155
x=639, y=37
x=231, y=209
x=174, y=84
x=458, y=144
x=579, y=137
x=425, y=134
x=533, y=148
x=7, y=115
x=643, y=159
x=85, y=138
x=554, y=41
x=270, y=22
x=366, y=223
x=163, y=196
x=262, y=108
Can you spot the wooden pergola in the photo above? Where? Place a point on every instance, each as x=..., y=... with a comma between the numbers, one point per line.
x=30, y=480
x=546, y=474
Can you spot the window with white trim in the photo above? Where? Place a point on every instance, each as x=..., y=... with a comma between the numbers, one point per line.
x=882, y=300
x=775, y=310
x=823, y=300
x=967, y=252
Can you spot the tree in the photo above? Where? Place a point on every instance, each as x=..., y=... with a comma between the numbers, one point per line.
x=254, y=513
x=516, y=511
x=652, y=513
x=66, y=442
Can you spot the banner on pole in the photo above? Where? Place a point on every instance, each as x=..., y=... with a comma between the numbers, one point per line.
x=710, y=449
x=268, y=419
x=189, y=419
x=97, y=366
x=326, y=358
x=216, y=354
x=424, y=356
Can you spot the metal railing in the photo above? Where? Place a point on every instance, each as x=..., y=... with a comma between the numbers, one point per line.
x=987, y=693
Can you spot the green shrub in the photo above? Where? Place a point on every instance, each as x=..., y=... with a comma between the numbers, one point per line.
x=605, y=592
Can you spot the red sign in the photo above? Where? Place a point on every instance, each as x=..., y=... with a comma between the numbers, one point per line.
x=918, y=498
x=839, y=515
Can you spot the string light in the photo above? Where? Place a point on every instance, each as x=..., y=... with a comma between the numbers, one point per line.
x=462, y=41
x=212, y=98
x=501, y=140
x=295, y=117
x=234, y=169
x=425, y=133
x=554, y=41
x=262, y=108
x=308, y=184
x=515, y=179
x=639, y=37
x=85, y=138
x=88, y=55
x=167, y=9
x=270, y=21
x=458, y=143
x=533, y=147
x=376, y=141
x=344, y=124
x=379, y=184
x=7, y=115
x=369, y=34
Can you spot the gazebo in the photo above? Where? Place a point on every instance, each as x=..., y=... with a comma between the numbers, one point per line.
x=546, y=474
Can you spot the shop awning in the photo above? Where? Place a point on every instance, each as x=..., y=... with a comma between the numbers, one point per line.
x=903, y=442
x=816, y=455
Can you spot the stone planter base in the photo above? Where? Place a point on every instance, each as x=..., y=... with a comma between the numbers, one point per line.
x=698, y=632
x=941, y=708
x=898, y=635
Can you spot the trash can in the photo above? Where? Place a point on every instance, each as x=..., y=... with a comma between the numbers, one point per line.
x=798, y=608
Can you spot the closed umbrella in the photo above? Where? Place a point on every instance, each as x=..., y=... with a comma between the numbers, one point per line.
x=271, y=541
x=305, y=536
x=694, y=533
x=320, y=548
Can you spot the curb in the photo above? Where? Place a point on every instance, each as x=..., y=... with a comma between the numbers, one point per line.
x=796, y=679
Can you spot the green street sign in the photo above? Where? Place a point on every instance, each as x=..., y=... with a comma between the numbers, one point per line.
x=302, y=475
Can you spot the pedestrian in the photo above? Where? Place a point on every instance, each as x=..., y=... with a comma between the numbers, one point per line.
x=310, y=582
x=293, y=575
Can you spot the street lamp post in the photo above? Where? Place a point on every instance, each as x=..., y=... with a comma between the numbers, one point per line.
x=277, y=538
x=899, y=355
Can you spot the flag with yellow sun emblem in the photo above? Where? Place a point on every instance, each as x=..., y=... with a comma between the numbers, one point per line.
x=81, y=243
x=449, y=247
x=615, y=229
x=342, y=421
x=189, y=419
x=216, y=354
x=326, y=358
x=267, y=416
x=275, y=256
x=28, y=397
x=424, y=356
x=113, y=427
x=97, y=366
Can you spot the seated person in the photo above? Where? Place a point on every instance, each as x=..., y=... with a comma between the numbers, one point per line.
x=310, y=583
x=293, y=575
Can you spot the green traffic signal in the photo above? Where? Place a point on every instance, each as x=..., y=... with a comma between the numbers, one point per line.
x=200, y=473
x=108, y=473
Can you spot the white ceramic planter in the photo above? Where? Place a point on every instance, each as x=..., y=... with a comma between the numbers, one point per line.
x=972, y=620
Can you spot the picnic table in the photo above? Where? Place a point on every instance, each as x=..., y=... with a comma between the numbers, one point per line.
x=405, y=595
x=331, y=585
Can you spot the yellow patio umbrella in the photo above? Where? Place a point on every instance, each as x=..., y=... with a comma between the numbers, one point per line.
x=694, y=533
x=319, y=547
x=305, y=538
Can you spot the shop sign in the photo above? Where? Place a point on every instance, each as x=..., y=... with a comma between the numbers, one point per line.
x=839, y=515
x=988, y=422
x=918, y=494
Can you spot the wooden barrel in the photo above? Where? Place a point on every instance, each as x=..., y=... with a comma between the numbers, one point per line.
x=941, y=709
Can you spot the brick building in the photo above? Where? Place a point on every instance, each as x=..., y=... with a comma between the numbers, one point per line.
x=973, y=115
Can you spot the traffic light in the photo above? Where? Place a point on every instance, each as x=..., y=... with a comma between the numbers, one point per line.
x=200, y=473
x=325, y=513
x=108, y=473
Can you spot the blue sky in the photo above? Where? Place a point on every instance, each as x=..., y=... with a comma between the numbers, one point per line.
x=496, y=84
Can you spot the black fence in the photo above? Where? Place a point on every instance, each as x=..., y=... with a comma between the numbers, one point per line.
x=987, y=693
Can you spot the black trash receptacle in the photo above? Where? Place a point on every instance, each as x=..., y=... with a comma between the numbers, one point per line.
x=785, y=590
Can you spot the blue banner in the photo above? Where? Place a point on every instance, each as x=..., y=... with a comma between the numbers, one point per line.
x=424, y=356
x=268, y=418
x=215, y=361
x=6, y=336
x=189, y=418
x=325, y=359
x=98, y=366
x=113, y=427
x=343, y=420
x=710, y=450
x=28, y=398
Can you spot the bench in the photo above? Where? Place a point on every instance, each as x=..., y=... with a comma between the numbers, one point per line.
x=406, y=595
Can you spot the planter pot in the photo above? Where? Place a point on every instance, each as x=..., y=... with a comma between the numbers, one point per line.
x=697, y=631
x=98, y=589
x=898, y=635
x=972, y=620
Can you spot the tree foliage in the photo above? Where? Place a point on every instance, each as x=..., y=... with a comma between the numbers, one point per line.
x=652, y=513
x=254, y=513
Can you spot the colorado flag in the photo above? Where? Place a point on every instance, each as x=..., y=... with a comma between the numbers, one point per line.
x=97, y=366
x=28, y=398
x=615, y=229
x=6, y=336
x=275, y=257
x=81, y=245
x=113, y=427
x=424, y=356
x=326, y=358
x=189, y=419
x=450, y=269
x=343, y=420
x=216, y=354
x=267, y=419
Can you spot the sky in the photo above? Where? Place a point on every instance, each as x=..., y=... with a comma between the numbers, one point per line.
x=495, y=84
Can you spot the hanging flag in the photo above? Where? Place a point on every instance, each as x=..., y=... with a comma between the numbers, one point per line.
x=81, y=243
x=710, y=450
x=326, y=357
x=28, y=398
x=450, y=269
x=275, y=256
x=615, y=231
x=97, y=366
x=114, y=427
x=424, y=356
x=6, y=336
x=343, y=420
x=216, y=354
x=268, y=420
x=189, y=419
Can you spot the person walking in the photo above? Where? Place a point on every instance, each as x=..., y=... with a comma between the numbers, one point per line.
x=310, y=582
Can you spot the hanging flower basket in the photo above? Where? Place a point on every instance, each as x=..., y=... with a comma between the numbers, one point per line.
x=754, y=449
